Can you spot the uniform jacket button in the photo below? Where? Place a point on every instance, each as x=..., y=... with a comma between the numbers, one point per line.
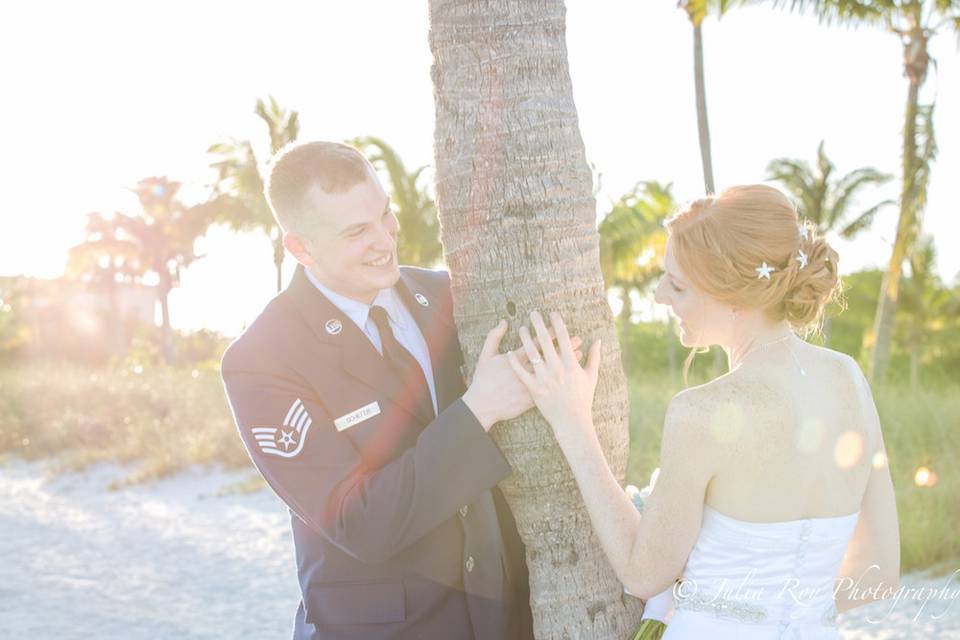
x=469, y=564
x=464, y=510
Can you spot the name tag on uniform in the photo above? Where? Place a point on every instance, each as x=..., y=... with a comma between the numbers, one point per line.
x=358, y=416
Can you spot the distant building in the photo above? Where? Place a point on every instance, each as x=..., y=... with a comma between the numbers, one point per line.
x=74, y=319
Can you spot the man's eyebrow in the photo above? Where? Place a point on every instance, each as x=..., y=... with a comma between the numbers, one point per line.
x=360, y=225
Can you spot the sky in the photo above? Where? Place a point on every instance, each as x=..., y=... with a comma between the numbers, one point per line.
x=101, y=94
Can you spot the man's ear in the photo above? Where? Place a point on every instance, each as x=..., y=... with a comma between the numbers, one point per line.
x=295, y=245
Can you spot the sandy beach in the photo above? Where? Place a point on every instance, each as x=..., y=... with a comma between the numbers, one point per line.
x=174, y=559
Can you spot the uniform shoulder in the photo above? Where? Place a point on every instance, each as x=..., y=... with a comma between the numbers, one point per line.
x=268, y=333
x=434, y=283
x=437, y=278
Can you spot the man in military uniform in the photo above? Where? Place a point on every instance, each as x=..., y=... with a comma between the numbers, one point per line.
x=348, y=395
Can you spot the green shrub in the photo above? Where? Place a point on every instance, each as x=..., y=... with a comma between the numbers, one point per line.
x=164, y=418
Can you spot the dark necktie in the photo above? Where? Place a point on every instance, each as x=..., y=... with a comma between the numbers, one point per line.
x=483, y=542
x=406, y=366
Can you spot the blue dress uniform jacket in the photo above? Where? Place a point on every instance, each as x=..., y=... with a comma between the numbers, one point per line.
x=398, y=527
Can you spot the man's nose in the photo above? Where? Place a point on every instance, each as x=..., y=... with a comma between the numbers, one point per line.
x=386, y=238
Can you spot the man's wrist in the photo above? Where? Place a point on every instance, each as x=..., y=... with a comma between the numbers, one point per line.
x=485, y=419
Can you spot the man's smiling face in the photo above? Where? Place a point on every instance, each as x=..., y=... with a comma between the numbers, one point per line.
x=354, y=249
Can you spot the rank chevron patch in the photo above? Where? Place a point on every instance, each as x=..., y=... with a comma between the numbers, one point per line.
x=287, y=440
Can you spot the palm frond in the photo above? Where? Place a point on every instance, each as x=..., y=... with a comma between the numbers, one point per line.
x=632, y=237
x=864, y=220
x=799, y=180
x=849, y=12
x=416, y=211
x=847, y=187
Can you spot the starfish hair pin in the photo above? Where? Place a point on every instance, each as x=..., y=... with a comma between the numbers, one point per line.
x=802, y=259
x=764, y=271
x=804, y=231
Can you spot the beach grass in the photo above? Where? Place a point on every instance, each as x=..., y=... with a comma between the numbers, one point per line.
x=161, y=420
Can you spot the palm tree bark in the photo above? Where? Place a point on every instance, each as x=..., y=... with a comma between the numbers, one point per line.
x=518, y=219
x=703, y=132
x=882, y=334
x=278, y=253
x=915, y=363
x=166, y=332
x=703, y=126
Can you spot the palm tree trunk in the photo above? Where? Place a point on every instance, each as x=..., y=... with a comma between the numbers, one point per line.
x=906, y=231
x=703, y=131
x=166, y=333
x=277, y=240
x=624, y=323
x=514, y=194
x=117, y=340
x=703, y=126
x=915, y=364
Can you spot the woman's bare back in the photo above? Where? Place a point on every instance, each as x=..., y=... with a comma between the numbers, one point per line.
x=794, y=435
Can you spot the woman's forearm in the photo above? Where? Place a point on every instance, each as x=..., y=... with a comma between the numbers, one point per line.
x=614, y=517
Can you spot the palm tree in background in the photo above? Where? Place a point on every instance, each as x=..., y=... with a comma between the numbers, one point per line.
x=238, y=198
x=419, y=239
x=164, y=235
x=915, y=22
x=105, y=259
x=825, y=198
x=633, y=241
x=697, y=10
x=926, y=304
x=158, y=241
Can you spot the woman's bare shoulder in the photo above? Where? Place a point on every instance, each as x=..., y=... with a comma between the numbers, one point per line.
x=704, y=400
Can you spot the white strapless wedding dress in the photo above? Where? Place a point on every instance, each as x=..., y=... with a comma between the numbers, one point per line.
x=761, y=581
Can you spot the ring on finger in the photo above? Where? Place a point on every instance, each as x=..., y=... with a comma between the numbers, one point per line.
x=536, y=361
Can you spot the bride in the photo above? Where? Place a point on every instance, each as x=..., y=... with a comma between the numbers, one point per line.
x=774, y=504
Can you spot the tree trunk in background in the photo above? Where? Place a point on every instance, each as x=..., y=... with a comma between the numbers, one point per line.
x=278, y=253
x=166, y=333
x=703, y=133
x=623, y=322
x=915, y=366
x=882, y=333
x=518, y=218
x=703, y=126
x=878, y=342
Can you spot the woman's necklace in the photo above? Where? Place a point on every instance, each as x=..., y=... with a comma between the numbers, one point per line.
x=783, y=338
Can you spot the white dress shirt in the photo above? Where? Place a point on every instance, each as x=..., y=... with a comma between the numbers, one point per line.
x=404, y=327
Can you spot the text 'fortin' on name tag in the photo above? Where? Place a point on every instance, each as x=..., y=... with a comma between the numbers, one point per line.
x=358, y=416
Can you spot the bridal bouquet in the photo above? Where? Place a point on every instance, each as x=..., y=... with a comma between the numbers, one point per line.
x=657, y=609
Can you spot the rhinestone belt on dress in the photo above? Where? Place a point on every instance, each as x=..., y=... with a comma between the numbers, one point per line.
x=739, y=611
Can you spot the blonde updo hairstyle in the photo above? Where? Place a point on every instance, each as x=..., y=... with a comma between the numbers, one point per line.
x=720, y=241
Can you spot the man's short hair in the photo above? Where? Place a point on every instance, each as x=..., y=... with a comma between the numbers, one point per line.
x=332, y=166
